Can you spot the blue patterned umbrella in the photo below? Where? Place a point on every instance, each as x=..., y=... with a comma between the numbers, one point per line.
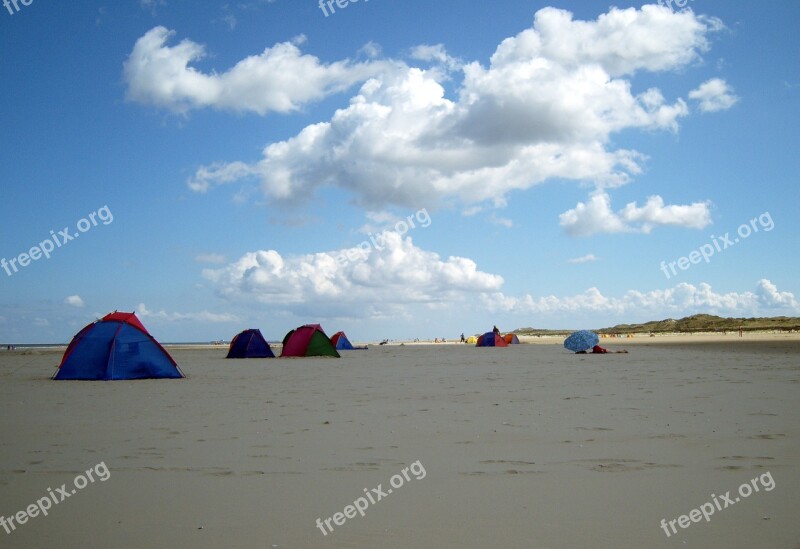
x=581, y=340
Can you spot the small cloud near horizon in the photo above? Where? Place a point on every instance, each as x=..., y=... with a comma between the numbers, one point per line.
x=74, y=300
x=714, y=95
x=583, y=259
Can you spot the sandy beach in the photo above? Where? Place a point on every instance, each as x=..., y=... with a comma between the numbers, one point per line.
x=525, y=446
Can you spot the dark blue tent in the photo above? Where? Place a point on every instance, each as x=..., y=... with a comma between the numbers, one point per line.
x=116, y=347
x=250, y=344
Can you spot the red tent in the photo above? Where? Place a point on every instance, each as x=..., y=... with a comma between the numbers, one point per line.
x=308, y=340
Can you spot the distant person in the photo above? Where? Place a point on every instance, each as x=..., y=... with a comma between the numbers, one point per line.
x=598, y=350
x=463, y=339
x=495, y=330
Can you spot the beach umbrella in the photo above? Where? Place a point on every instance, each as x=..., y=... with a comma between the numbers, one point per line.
x=582, y=340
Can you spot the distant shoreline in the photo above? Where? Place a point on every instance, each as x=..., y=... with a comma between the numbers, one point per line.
x=633, y=339
x=638, y=339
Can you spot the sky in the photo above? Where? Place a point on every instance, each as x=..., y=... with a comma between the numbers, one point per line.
x=408, y=169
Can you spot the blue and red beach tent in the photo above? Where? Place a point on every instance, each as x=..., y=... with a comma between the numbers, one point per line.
x=341, y=342
x=491, y=339
x=117, y=346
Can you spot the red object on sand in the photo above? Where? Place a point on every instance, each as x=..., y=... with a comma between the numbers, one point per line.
x=598, y=349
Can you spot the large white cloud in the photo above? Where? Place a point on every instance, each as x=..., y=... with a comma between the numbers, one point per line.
x=545, y=107
x=280, y=79
x=387, y=275
x=621, y=41
x=382, y=275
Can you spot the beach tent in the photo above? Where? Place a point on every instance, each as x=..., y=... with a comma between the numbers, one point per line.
x=491, y=339
x=250, y=344
x=116, y=347
x=511, y=339
x=308, y=340
x=341, y=342
x=472, y=339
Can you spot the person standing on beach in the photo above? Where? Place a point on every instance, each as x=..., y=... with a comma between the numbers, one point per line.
x=495, y=330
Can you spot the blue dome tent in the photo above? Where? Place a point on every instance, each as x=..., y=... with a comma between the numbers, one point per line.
x=116, y=347
x=250, y=344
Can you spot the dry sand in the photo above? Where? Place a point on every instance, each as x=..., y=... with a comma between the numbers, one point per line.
x=526, y=446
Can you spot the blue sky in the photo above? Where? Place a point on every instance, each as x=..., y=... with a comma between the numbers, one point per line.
x=550, y=155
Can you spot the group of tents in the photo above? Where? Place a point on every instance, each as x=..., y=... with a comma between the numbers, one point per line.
x=118, y=346
x=493, y=339
x=305, y=341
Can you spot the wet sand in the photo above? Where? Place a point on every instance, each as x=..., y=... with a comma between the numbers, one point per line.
x=525, y=446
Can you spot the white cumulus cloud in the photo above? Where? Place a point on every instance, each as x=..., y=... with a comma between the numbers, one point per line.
x=281, y=78
x=597, y=216
x=546, y=106
x=714, y=95
x=376, y=278
x=683, y=299
x=74, y=300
